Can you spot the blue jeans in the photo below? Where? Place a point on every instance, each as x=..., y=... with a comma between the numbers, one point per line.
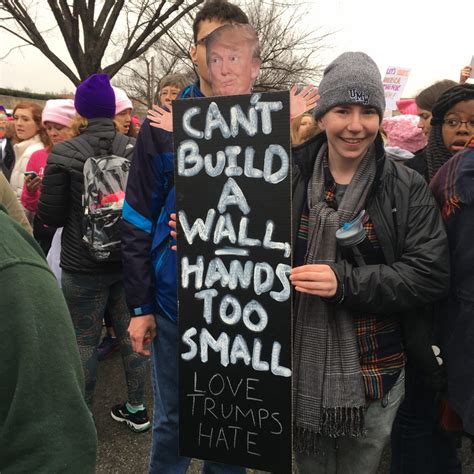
x=357, y=455
x=164, y=457
x=418, y=445
x=87, y=296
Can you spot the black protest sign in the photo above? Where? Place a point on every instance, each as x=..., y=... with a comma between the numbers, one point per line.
x=233, y=202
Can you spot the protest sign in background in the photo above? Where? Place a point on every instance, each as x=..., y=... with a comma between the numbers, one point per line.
x=394, y=82
x=233, y=201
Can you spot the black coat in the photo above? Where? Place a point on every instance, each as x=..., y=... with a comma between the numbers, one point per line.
x=8, y=159
x=413, y=239
x=60, y=204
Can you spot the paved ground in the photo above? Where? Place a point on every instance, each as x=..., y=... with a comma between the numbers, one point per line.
x=124, y=452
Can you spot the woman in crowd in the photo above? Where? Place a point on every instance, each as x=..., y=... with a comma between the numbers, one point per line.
x=453, y=186
x=418, y=444
x=32, y=137
x=123, y=112
x=303, y=128
x=350, y=305
x=425, y=102
x=89, y=283
x=57, y=119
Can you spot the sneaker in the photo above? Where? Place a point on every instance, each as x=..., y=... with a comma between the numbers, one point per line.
x=137, y=422
x=107, y=347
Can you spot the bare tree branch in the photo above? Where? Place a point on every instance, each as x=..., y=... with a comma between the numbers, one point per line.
x=88, y=32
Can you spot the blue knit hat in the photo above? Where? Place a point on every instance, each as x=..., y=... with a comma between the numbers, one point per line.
x=95, y=97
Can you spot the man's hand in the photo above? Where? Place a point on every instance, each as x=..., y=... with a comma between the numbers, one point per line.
x=302, y=102
x=161, y=118
x=318, y=280
x=142, y=330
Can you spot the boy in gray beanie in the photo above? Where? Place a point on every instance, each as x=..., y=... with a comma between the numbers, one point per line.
x=354, y=293
x=352, y=78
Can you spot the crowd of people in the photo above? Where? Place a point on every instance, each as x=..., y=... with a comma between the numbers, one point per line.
x=383, y=331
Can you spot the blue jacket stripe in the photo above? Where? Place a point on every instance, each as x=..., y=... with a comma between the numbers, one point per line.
x=135, y=218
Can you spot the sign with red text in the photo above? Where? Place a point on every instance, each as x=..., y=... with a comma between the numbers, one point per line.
x=394, y=82
x=233, y=203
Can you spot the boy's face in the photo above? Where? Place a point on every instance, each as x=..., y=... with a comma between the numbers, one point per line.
x=168, y=94
x=198, y=51
x=232, y=69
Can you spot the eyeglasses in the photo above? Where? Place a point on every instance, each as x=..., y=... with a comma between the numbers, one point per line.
x=454, y=123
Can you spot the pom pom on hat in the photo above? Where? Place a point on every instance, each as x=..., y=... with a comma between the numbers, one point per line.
x=122, y=102
x=403, y=132
x=95, y=97
x=407, y=106
x=59, y=111
x=353, y=78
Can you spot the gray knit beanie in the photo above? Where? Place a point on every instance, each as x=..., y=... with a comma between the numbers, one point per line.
x=352, y=78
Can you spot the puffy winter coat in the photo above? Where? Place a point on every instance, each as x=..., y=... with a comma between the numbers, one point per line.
x=60, y=204
x=413, y=239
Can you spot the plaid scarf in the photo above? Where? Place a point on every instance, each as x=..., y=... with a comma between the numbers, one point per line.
x=329, y=395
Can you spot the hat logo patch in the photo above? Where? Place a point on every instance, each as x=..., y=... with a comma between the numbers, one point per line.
x=359, y=96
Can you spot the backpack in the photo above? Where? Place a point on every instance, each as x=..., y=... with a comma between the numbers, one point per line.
x=105, y=181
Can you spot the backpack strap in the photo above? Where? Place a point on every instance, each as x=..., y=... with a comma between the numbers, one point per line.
x=84, y=147
x=119, y=144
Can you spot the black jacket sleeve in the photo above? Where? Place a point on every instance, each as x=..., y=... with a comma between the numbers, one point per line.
x=419, y=277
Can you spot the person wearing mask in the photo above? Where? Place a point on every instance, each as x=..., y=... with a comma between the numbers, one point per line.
x=57, y=118
x=147, y=192
x=91, y=281
x=418, y=443
x=350, y=308
x=45, y=424
x=32, y=137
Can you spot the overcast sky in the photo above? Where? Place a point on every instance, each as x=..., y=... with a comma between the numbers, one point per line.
x=435, y=43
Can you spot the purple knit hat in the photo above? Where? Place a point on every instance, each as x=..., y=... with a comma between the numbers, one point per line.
x=95, y=97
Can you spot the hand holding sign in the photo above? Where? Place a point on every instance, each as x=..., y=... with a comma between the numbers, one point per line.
x=318, y=280
x=302, y=102
x=172, y=224
x=161, y=118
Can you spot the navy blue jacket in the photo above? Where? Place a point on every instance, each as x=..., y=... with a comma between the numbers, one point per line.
x=149, y=264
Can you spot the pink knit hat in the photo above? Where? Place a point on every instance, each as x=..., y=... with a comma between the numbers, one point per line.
x=60, y=111
x=122, y=102
x=402, y=131
x=407, y=106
